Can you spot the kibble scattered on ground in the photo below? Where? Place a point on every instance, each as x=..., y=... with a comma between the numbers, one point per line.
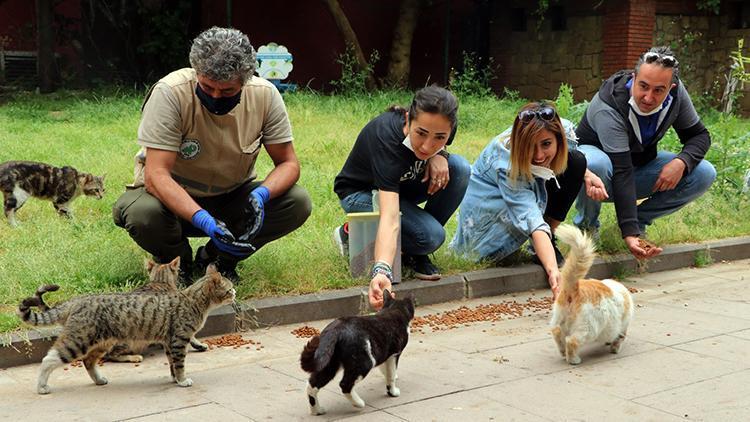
x=464, y=315
x=305, y=331
x=232, y=340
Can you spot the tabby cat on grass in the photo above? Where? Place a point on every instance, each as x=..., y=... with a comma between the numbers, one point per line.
x=358, y=344
x=93, y=324
x=20, y=180
x=587, y=310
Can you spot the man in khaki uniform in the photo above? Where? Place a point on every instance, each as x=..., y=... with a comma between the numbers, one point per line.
x=200, y=134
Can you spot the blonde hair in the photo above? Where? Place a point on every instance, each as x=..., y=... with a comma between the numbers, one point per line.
x=522, y=143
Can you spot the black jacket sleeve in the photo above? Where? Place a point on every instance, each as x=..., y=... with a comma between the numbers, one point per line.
x=624, y=197
x=696, y=141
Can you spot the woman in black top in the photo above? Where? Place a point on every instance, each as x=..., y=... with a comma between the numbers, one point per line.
x=401, y=154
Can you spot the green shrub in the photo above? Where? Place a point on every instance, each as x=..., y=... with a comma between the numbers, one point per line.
x=474, y=79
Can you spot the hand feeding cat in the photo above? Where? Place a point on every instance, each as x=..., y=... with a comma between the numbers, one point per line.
x=587, y=310
x=358, y=344
x=20, y=180
x=92, y=324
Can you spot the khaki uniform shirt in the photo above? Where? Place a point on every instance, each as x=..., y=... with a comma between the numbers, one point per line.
x=215, y=154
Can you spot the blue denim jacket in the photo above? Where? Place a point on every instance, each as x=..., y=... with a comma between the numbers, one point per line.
x=497, y=215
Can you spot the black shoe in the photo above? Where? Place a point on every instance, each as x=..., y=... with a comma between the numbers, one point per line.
x=228, y=268
x=422, y=267
x=201, y=261
x=224, y=266
x=558, y=255
x=341, y=239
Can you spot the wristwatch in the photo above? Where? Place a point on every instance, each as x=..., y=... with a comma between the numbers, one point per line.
x=444, y=153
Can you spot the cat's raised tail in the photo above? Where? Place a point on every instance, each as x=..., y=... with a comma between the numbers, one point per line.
x=319, y=350
x=48, y=315
x=580, y=257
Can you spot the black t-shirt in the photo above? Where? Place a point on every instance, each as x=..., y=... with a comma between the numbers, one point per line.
x=379, y=159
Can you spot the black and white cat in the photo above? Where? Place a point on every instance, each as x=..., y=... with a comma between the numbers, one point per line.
x=357, y=344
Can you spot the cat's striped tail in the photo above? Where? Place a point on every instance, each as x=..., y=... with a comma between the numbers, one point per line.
x=48, y=315
x=579, y=259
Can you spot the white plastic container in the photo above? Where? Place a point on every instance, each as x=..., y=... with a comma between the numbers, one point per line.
x=363, y=229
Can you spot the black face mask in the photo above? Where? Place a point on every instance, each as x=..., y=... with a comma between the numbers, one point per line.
x=219, y=106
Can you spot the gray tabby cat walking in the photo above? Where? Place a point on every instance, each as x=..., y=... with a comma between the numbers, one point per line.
x=93, y=324
x=20, y=180
x=161, y=278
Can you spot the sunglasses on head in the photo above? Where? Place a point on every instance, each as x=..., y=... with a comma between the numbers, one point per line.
x=665, y=60
x=543, y=112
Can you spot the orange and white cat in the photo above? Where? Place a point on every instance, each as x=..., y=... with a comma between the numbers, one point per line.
x=587, y=310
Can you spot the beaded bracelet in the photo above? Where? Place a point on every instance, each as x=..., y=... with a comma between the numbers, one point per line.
x=381, y=267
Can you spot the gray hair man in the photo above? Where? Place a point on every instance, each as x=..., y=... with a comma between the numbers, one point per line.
x=200, y=134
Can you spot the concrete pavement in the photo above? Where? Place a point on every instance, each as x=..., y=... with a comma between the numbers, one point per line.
x=687, y=357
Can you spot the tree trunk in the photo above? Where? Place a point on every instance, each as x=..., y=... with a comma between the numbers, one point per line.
x=45, y=56
x=399, y=66
x=350, y=37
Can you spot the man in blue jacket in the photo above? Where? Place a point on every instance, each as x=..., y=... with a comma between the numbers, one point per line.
x=619, y=134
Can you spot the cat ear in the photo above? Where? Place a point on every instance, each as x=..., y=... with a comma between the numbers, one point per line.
x=388, y=298
x=149, y=264
x=211, y=269
x=175, y=264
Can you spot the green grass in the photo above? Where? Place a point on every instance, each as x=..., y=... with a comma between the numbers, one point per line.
x=96, y=132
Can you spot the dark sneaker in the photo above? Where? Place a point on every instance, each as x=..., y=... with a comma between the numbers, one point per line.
x=201, y=261
x=341, y=239
x=558, y=255
x=422, y=267
x=226, y=267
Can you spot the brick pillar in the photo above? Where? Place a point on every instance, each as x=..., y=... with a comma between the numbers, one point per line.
x=628, y=32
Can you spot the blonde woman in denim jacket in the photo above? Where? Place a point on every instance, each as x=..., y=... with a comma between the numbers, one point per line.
x=521, y=188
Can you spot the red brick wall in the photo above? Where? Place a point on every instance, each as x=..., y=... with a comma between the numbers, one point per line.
x=628, y=31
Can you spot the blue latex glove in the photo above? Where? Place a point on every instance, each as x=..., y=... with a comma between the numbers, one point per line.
x=254, y=209
x=220, y=235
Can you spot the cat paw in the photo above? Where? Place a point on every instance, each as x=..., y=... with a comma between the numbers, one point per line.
x=317, y=410
x=43, y=389
x=198, y=346
x=101, y=381
x=393, y=391
x=187, y=382
x=358, y=403
x=575, y=360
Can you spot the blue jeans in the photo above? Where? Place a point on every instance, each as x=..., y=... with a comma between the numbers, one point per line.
x=658, y=204
x=422, y=229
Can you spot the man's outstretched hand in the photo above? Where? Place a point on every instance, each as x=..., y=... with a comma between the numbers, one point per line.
x=642, y=249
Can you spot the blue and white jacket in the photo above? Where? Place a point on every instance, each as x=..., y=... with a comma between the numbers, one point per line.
x=498, y=215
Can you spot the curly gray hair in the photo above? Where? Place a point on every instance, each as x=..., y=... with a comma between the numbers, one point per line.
x=223, y=54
